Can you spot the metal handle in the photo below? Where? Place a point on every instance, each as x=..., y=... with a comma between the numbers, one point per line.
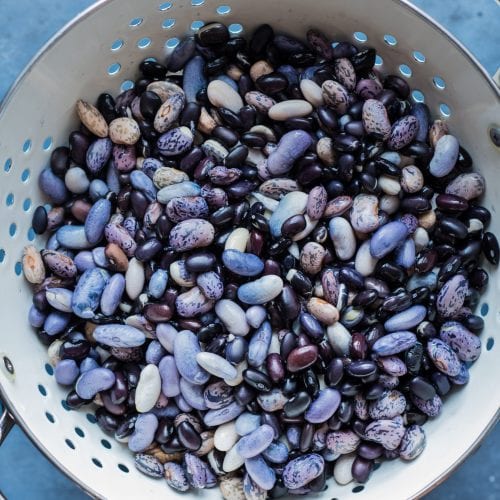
x=6, y=423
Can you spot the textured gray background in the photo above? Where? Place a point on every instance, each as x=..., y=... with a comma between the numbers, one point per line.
x=26, y=25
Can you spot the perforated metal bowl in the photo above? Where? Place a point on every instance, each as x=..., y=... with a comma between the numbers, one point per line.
x=100, y=51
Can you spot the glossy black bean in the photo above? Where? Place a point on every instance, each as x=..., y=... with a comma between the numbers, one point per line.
x=106, y=106
x=452, y=227
x=364, y=60
x=261, y=37
x=361, y=469
x=478, y=212
x=451, y=204
x=370, y=451
x=148, y=250
x=310, y=382
x=306, y=437
x=441, y=383
x=190, y=114
x=235, y=45
x=398, y=85
x=470, y=251
x=279, y=246
x=327, y=119
x=386, y=167
x=490, y=248
x=474, y=323
x=350, y=388
x=119, y=391
x=106, y=421
x=425, y=260
x=272, y=83
x=390, y=272
x=289, y=303
x=310, y=174
x=413, y=358
x=215, y=67
x=212, y=34
x=361, y=368
x=300, y=282
x=163, y=431
x=351, y=278
x=222, y=215
x=188, y=436
x=257, y=379
x=346, y=143
x=334, y=372
x=173, y=445
x=365, y=298
x=297, y=405
x=415, y=204
x=422, y=388
x=288, y=343
x=232, y=120
x=374, y=392
x=78, y=144
x=355, y=128
x=345, y=411
x=216, y=345
x=76, y=348
x=153, y=69
x=74, y=401
x=149, y=104
x=200, y=262
x=39, y=220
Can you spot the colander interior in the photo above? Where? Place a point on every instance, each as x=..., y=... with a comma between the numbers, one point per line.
x=100, y=52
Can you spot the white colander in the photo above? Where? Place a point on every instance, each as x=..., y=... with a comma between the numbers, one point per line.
x=100, y=51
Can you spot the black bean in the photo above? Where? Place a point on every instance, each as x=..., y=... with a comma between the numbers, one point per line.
x=257, y=379
x=188, y=436
x=490, y=248
x=153, y=69
x=190, y=115
x=297, y=405
x=78, y=145
x=231, y=119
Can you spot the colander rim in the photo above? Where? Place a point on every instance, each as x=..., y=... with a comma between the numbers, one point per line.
x=8, y=403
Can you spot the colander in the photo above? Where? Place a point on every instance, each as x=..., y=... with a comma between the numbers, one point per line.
x=99, y=52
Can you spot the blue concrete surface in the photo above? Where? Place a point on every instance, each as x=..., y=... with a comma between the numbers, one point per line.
x=26, y=25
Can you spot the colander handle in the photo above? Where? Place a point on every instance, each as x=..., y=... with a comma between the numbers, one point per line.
x=6, y=424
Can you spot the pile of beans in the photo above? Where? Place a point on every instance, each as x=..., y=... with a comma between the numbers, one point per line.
x=262, y=265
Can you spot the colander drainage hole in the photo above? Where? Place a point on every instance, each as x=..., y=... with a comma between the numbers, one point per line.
x=117, y=45
x=27, y=146
x=235, y=28
x=360, y=36
x=143, y=43
x=168, y=23
x=91, y=418
x=69, y=443
x=42, y=390
x=9, y=201
x=439, y=83
x=97, y=463
x=47, y=143
x=123, y=468
x=405, y=70
x=484, y=309
x=18, y=268
x=490, y=343
x=390, y=39
x=418, y=95
x=65, y=405
x=171, y=43
x=106, y=444
x=31, y=234
x=137, y=21
x=114, y=69
x=127, y=85
x=12, y=229
x=378, y=60
x=165, y=6
x=358, y=489
x=49, y=369
x=222, y=10
x=418, y=56
x=2, y=255
x=7, y=165
x=79, y=432
x=196, y=25
x=50, y=417
x=196, y=3
x=25, y=175
x=26, y=204
x=445, y=110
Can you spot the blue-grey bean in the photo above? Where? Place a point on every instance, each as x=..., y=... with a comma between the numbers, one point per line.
x=73, y=237
x=158, y=283
x=66, y=371
x=154, y=352
x=407, y=319
x=394, y=343
x=97, y=219
x=211, y=285
x=88, y=292
x=405, y=254
x=169, y=377
x=60, y=299
x=242, y=263
x=93, y=381
x=194, y=78
x=83, y=260
x=193, y=394
x=324, y=406
x=116, y=335
x=98, y=189
x=214, y=418
x=259, y=344
x=260, y=472
x=143, y=183
x=186, y=347
x=53, y=186
x=144, y=432
x=291, y=146
x=56, y=322
x=112, y=294
x=387, y=238
x=445, y=156
x=36, y=317
x=261, y=290
x=247, y=423
x=276, y=453
x=256, y=442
